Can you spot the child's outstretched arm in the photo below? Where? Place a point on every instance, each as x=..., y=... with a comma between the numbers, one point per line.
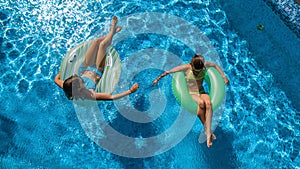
x=210, y=64
x=175, y=69
x=105, y=96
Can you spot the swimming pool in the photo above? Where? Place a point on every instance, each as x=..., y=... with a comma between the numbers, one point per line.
x=39, y=127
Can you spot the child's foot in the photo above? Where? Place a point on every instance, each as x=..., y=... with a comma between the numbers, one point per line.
x=213, y=136
x=118, y=29
x=114, y=21
x=209, y=142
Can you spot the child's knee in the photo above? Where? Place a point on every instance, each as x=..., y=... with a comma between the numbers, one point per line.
x=101, y=44
x=208, y=104
x=201, y=104
x=98, y=41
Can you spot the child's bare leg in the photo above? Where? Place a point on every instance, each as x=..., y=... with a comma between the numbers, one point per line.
x=208, y=118
x=200, y=110
x=208, y=126
x=91, y=54
x=92, y=58
x=101, y=53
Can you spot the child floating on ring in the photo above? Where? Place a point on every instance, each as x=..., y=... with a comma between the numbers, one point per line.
x=83, y=86
x=195, y=72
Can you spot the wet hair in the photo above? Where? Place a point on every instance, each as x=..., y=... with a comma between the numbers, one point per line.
x=197, y=62
x=74, y=88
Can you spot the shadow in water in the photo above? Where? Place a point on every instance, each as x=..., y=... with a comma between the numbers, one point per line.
x=7, y=128
x=145, y=130
x=221, y=154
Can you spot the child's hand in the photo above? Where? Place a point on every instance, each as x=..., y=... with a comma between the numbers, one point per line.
x=226, y=81
x=134, y=88
x=154, y=82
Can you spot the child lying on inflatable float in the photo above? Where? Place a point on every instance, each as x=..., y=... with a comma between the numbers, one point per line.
x=195, y=73
x=83, y=86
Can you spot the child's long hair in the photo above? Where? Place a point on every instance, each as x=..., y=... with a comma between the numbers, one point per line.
x=74, y=88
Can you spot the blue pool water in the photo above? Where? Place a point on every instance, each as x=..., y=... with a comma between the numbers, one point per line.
x=39, y=127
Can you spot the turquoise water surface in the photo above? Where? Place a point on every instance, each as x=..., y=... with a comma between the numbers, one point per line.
x=39, y=127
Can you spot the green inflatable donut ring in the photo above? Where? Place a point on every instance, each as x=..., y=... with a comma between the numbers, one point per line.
x=214, y=81
x=75, y=58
